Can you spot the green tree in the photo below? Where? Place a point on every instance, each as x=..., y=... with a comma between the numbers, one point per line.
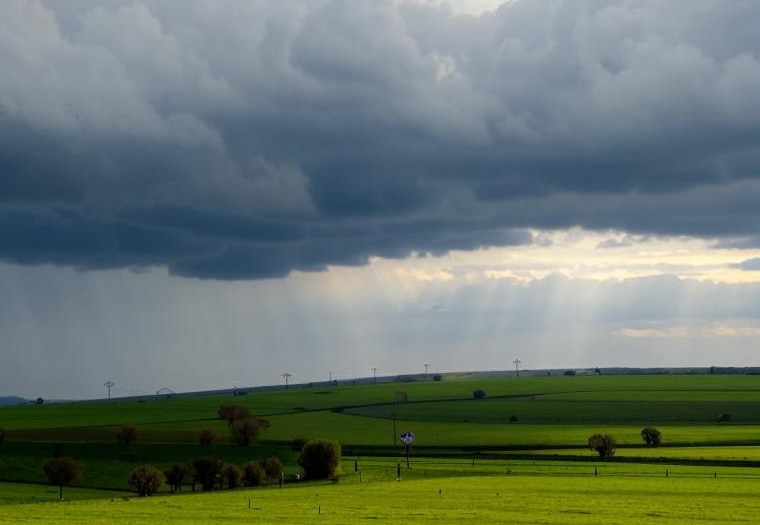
x=208, y=472
x=273, y=468
x=602, y=444
x=208, y=436
x=254, y=474
x=127, y=435
x=246, y=431
x=62, y=471
x=651, y=436
x=176, y=475
x=232, y=476
x=145, y=480
x=320, y=459
x=232, y=413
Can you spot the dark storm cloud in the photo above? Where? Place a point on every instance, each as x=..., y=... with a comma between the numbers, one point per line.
x=245, y=139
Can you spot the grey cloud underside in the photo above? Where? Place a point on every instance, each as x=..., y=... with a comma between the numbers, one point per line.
x=249, y=139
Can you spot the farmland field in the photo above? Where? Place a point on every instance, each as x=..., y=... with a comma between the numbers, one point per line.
x=506, y=499
x=534, y=429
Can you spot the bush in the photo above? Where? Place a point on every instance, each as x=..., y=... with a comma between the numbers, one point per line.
x=208, y=472
x=297, y=444
x=208, y=436
x=320, y=459
x=254, y=474
x=651, y=436
x=437, y=377
x=145, y=480
x=602, y=444
x=273, y=468
x=246, y=431
x=479, y=394
x=2, y=434
x=62, y=471
x=127, y=435
x=232, y=476
x=513, y=418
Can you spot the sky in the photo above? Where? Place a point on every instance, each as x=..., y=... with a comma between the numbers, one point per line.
x=200, y=195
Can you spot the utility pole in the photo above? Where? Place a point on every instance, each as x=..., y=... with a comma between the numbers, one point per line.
x=286, y=376
x=517, y=367
x=426, y=370
x=330, y=372
x=374, y=374
x=108, y=385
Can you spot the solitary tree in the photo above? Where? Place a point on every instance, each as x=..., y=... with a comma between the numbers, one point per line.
x=246, y=431
x=254, y=474
x=127, y=435
x=231, y=413
x=602, y=444
x=62, y=471
x=273, y=468
x=145, y=480
x=320, y=459
x=208, y=472
x=651, y=436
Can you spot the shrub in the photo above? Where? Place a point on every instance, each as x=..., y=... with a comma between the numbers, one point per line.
x=602, y=444
x=479, y=394
x=208, y=472
x=651, y=436
x=232, y=476
x=62, y=471
x=145, y=480
x=297, y=444
x=722, y=418
x=320, y=459
x=272, y=467
x=437, y=377
x=513, y=418
x=246, y=431
x=208, y=436
x=127, y=435
x=254, y=474
x=2, y=434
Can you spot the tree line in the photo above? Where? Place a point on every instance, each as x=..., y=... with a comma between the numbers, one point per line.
x=318, y=459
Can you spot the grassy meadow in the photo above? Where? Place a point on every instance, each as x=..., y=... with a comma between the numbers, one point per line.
x=519, y=455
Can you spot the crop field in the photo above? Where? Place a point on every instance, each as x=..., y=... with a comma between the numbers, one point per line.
x=518, y=455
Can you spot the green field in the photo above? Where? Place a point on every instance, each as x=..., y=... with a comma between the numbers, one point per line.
x=535, y=428
x=505, y=499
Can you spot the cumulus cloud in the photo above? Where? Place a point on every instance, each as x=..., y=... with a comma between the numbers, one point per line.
x=248, y=139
